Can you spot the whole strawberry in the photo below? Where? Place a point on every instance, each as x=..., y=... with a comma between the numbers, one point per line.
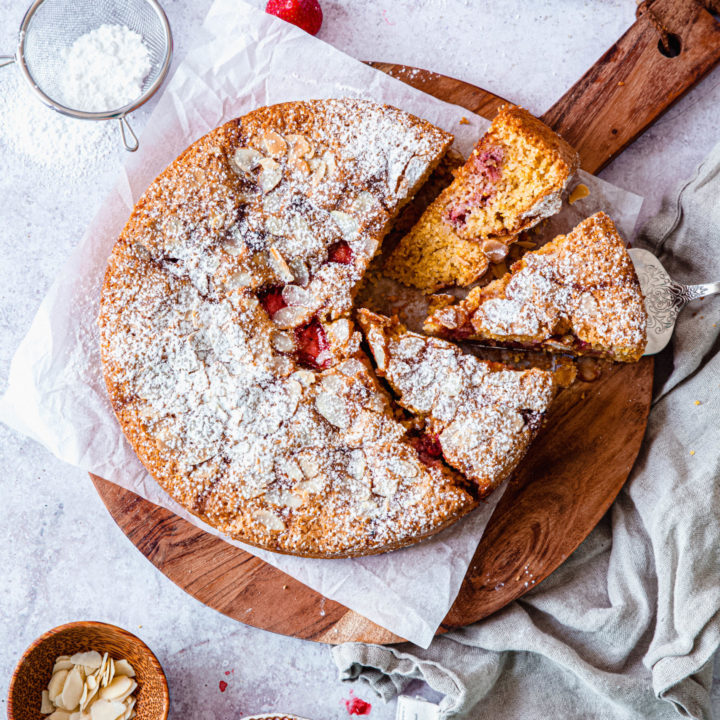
x=306, y=14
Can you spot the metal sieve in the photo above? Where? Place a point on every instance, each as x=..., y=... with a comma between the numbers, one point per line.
x=51, y=26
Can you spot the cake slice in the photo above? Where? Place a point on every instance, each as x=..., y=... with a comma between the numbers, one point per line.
x=577, y=294
x=479, y=417
x=514, y=178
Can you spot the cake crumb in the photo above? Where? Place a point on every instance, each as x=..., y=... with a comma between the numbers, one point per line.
x=579, y=192
x=464, y=121
x=692, y=452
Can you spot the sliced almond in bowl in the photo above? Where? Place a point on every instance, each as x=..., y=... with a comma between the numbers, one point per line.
x=107, y=710
x=57, y=681
x=117, y=688
x=91, y=659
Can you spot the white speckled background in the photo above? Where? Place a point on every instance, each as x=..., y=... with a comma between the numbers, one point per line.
x=62, y=556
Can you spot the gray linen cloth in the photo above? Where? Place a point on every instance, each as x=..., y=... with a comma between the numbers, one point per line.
x=628, y=626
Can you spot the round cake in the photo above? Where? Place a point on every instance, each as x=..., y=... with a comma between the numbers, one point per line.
x=228, y=350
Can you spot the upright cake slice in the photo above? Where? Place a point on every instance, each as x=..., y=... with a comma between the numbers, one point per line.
x=514, y=178
x=577, y=294
x=479, y=417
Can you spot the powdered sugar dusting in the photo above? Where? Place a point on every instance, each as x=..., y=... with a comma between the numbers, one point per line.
x=275, y=434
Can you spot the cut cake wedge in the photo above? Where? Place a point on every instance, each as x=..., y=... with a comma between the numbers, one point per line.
x=578, y=294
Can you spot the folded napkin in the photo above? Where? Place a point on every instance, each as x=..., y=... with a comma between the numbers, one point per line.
x=628, y=626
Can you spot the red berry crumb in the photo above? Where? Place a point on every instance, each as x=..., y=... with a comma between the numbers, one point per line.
x=271, y=299
x=340, y=252
x=306, y=14
x=311, y=340
x=356, y=706
x=223, y=686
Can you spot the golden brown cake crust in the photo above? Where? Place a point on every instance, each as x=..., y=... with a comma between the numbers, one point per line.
x=514, y=178
x=577, y=294
x=227, y=352
x=482, y=416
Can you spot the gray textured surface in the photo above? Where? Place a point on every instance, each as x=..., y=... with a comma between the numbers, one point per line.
x=63, y=557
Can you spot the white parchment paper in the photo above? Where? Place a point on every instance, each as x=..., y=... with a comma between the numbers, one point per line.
x=56, y=392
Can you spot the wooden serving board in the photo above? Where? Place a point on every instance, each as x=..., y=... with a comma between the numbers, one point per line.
x=582, y=457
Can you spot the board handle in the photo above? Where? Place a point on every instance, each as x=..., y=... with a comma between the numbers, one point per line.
x=668, y=49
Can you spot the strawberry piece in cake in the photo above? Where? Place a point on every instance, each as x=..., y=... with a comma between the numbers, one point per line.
x=479, y=417
x=514, y=178
x=578, y=294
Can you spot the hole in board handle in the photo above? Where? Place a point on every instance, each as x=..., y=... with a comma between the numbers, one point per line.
x=673, y=47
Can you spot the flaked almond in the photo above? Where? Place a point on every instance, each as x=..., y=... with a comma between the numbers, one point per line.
x=318, y=168
x=46, y=707
x=282, y=341
x=300, y=147
x=299, y=165
x=57, y=681
x=296, y=295
x=405, y=469
x=348, y=225
x=62, y=665
x=367, y=508
x=291, y=316
x=245, y=160
x=332, y=407
x=277, y=262
x=363, y=202
x=275, y=226
x=309, y=466
x=305, y=377
x=72, y=690
x=234, y=248
x=285, y=499
x=330, y=163
x=370, y=246
x=239, y=279
x=59, y=714
x=282, y=366
x=120, y=687
x=274, y=143
x=588, y=305
x=351, y=367
x=288, y=467
x=315, y=485
x=357, y=464
x=107, y=710
x=269, y=520
x=494, y=250
x=270, y=174
x=333, y=384
x=385, y=483
x=300, y=271
x=339, y=331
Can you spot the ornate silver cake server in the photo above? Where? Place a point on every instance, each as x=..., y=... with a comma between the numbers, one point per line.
x=664, y=298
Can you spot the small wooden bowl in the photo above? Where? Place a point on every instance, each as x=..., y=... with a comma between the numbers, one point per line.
x=34, y=670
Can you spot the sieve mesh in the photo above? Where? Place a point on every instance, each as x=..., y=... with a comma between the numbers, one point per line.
x=54, y=25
